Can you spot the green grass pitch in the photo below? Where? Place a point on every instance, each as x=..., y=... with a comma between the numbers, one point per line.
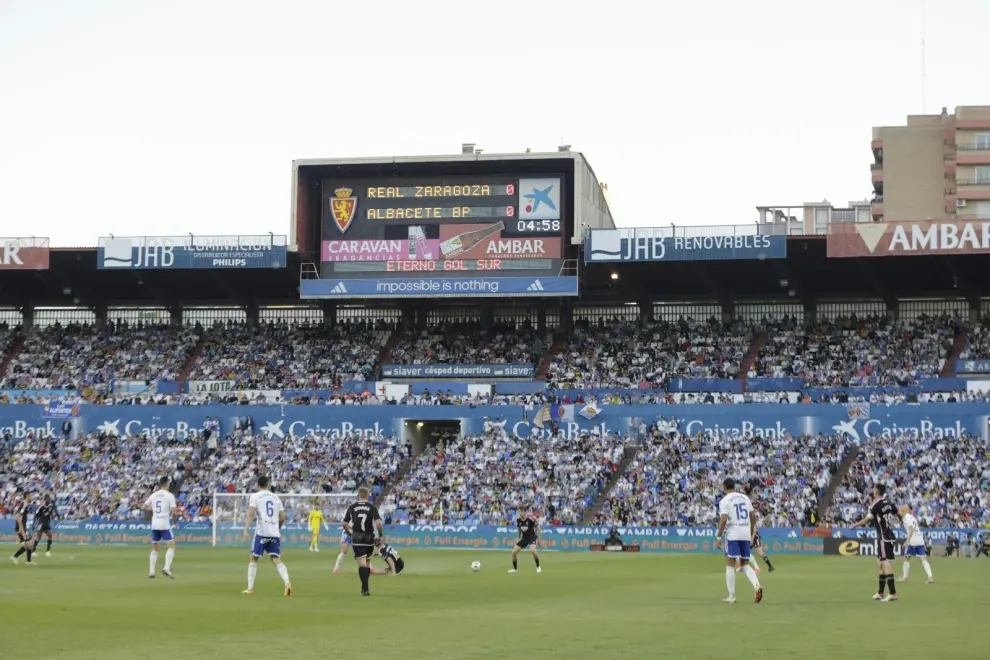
x=98, y=603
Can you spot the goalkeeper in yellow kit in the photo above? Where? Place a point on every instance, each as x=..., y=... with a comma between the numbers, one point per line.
x=315, y=519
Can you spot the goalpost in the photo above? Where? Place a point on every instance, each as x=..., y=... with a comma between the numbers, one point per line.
x=230, y=512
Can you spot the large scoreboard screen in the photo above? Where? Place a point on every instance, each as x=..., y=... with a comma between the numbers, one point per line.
x=443, y=235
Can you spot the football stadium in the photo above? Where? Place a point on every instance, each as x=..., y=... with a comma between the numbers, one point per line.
x=546, y=414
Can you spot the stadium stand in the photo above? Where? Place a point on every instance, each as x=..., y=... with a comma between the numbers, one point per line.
x=471, y=342
x=491, y=478
x=857, y=351
x=945, y=481
x=883, y=351
x=622, y=354
x=281, y=355
x=109, y=475
x=82, y=356
x=676, y=479
x=978, y=342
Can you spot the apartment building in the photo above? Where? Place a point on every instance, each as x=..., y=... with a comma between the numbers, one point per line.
x=935, y=167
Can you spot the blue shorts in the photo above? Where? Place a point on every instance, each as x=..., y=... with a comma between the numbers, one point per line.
x=915, y=551
x=161, y=535
x=345, y=539
x=272, y=545
x=737, y=549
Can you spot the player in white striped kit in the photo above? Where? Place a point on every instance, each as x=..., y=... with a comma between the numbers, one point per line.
x=914, y=545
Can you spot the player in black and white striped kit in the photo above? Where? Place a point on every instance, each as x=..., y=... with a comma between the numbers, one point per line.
x=396, y=564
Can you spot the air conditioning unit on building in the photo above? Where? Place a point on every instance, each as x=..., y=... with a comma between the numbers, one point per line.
x=960, y=203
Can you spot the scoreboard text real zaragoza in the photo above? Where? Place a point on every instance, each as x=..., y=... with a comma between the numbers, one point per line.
x=456, y=224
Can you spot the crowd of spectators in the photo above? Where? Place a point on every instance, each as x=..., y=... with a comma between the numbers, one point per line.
x=978, y=342
x=471, y=342
x=494, y=477
x=844, y=352
x=854, y=351
x=676, y=479
x=946, y=481
x=274, y=356
x=84, y=356
x=622, y=354
x=110, y=476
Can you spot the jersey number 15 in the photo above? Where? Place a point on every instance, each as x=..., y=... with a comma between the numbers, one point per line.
x=741, y=512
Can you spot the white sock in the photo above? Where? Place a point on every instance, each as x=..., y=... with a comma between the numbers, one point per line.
x=169, y=554
x=751, y=574
x=928, y=568
x=252, y=572
x=340, y=560
x=154, y=562
x=284, y=573
x=907, y=570
x=730, y=580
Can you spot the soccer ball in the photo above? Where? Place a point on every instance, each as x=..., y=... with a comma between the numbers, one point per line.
x=476, y=566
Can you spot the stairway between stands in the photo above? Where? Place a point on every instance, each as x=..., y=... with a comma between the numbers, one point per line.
x=825, y=503
x=557, y=347
x=385, y=355
x=15, y=348
x=599, y=503
x=396, y=480
x=759, y=341
x=949, y=368
x=187, y=368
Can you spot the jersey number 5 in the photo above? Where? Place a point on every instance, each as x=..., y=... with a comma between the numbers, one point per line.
x=158, y=506
x=741, y=512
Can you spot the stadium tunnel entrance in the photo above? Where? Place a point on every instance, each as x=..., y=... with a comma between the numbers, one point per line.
x=429, y=432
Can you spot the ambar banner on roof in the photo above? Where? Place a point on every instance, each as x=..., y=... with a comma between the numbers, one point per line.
x=660, y=244
x=900, y=239
x=24, y=254
x=190, y=252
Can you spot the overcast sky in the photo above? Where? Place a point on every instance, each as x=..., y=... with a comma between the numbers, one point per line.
x=141, y=118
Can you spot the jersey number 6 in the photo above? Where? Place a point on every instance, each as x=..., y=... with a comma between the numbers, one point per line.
x=270, y=509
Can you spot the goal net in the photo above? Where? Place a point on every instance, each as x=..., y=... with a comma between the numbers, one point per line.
x=230, y=513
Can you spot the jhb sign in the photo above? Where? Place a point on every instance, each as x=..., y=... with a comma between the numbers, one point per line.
x=190, y=252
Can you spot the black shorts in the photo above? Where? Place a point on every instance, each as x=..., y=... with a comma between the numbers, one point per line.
x=526, y=541
x=45, y=528
x=757, y=542
x=400, y=564
x=884, y=549
x=363, y=551
x=21, y=538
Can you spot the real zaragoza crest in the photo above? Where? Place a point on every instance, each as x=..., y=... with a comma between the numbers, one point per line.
x=343, y=207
